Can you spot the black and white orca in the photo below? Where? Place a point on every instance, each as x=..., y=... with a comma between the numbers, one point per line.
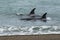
x=32, y=13
x=42, y=18
x=33, y=16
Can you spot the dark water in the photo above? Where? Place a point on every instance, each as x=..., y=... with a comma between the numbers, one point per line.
x=11, y=23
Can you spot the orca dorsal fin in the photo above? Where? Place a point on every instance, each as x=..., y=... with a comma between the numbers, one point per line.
x=44, y=16
x=32, y=11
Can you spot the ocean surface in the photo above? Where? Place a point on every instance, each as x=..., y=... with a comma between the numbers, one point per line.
x=10, y=23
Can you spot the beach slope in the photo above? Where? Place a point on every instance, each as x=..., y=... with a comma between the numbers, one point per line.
x=31, y=37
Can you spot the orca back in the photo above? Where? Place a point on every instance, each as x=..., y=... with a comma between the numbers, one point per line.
x=32, y=11
x=44, y=16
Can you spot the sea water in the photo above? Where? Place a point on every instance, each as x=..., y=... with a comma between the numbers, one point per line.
x=10, y=23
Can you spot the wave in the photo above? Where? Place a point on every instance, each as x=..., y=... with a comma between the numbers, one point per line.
x=26, y=30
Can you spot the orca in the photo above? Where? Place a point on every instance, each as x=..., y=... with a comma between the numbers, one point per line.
x=42, y=18
x=33, y=16
x=32, y=13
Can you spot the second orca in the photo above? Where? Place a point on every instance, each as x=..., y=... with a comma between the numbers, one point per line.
x=43, y=18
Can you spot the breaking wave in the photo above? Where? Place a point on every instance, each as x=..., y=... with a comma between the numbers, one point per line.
x=25, y=30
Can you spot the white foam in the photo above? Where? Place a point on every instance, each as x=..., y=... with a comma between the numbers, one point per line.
x=49, y=19
x=1, y=29
x=18, y=30
x=18, y=14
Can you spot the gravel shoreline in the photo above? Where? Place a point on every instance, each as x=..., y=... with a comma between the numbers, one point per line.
x=31, y=37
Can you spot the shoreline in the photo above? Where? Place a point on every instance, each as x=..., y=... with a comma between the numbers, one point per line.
x=32, y=37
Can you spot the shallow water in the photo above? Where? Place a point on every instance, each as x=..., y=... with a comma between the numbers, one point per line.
x=10, y=23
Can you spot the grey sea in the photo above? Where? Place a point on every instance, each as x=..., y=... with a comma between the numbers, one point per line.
x=10, y=23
